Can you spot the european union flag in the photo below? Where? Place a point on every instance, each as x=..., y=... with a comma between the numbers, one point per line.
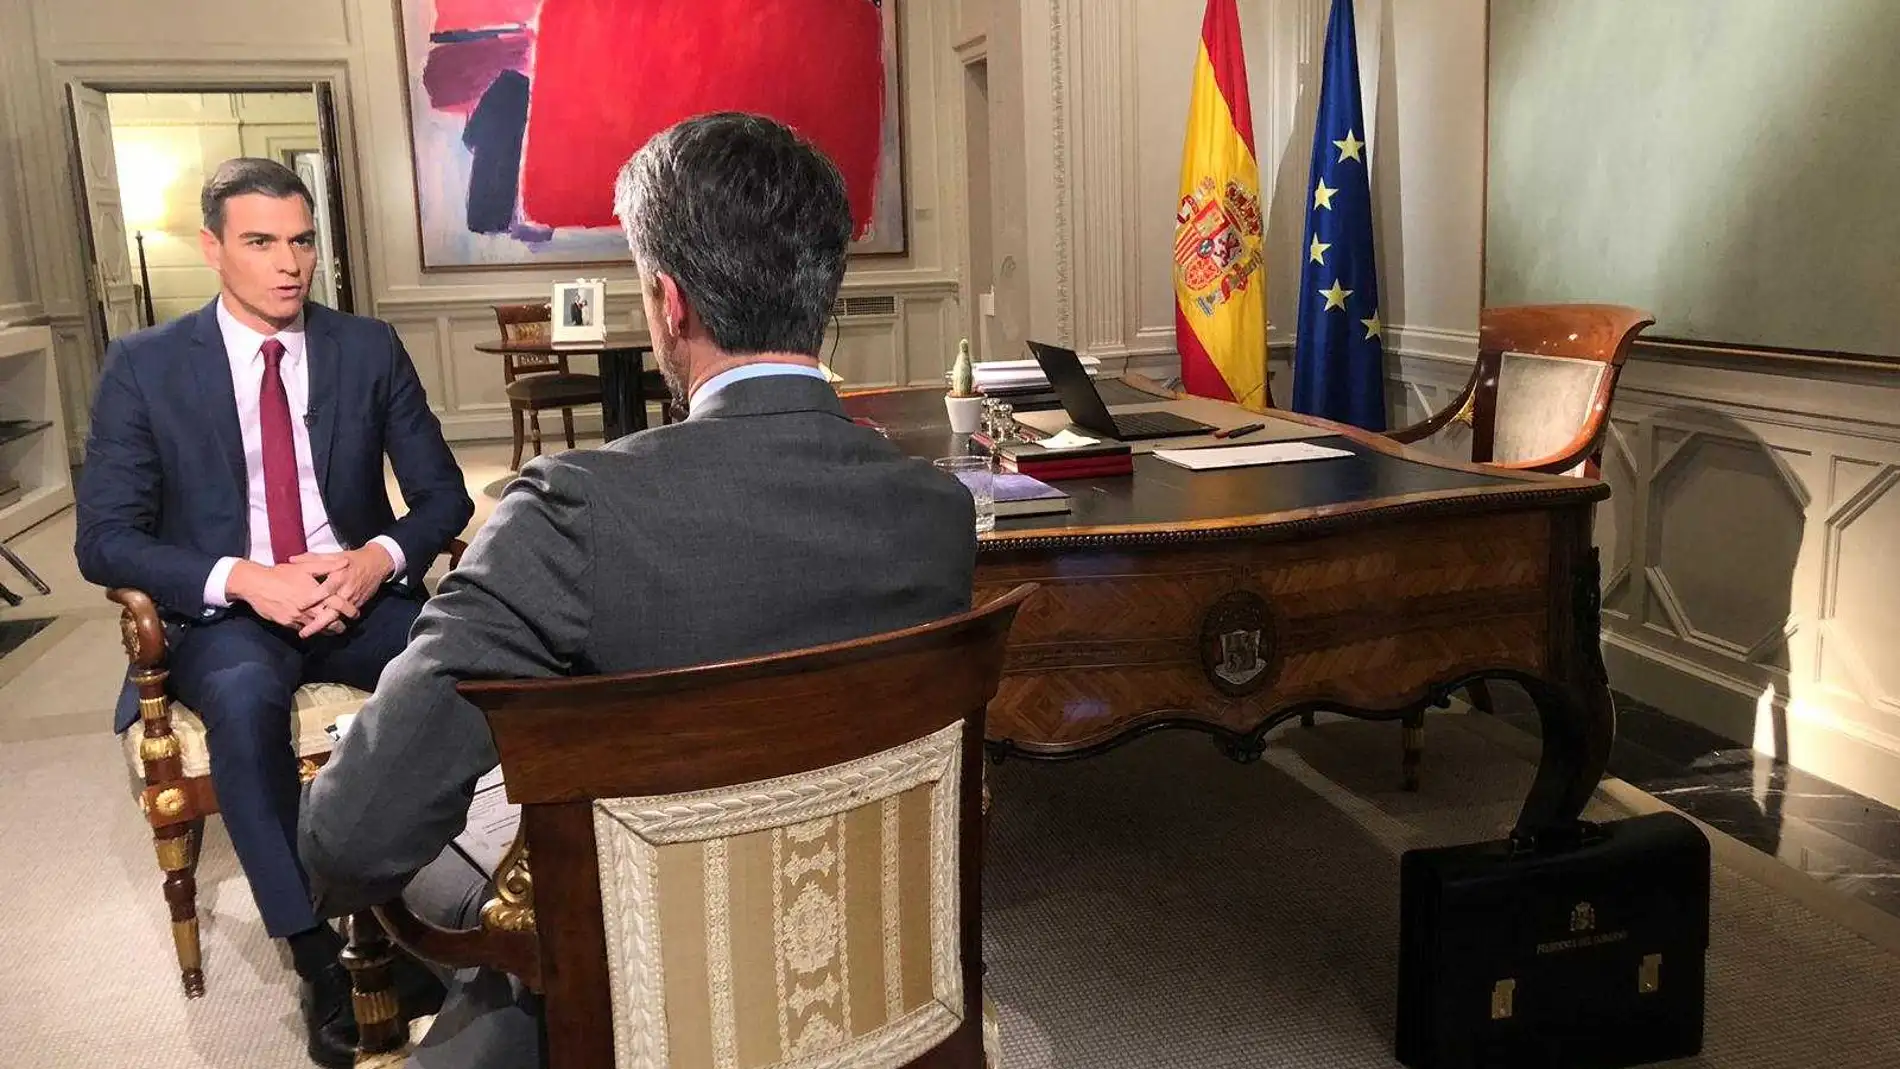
x=1338, y=356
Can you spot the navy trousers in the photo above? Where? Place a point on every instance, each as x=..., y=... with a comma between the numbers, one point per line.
x=239, y=674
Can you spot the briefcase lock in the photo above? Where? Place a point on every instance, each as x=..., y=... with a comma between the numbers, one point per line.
x=1502, y=997
x=1649, y=977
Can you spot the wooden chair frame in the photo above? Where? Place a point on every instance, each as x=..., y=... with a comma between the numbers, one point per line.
x=175, y=804
x=523, y=411
x=690, y=729
x=1602, y=333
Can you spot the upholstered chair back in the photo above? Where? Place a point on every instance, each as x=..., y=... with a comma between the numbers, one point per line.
x=767, y=864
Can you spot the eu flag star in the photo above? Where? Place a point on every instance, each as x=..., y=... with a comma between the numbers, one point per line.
x=1317, y=253
x=1323, y=196
x=1349, y=148
x=1373, y=326
x=1335, y=297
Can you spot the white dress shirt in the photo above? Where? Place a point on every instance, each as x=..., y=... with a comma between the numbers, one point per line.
x=711, y=387
x=244, y=348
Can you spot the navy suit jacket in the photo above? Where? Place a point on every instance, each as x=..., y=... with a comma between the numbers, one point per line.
x=164, y=492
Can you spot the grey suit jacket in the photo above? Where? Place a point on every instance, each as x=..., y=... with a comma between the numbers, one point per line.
x=767, y=521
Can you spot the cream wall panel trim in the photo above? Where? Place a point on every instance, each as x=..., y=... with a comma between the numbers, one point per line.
x=411, y=299
x=1101, y=203
x=1715, y=471
x=135, y=56
x=1058, y=47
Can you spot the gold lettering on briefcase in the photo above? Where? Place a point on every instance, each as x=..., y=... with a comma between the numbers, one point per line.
x=1583, y=922
x=1502, y=998
x=1583, y=917
x=1649, y=977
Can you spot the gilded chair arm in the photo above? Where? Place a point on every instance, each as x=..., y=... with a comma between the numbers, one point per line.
x=139, y=627
x=166, y=799
x=1459, y=411
x=506, y=939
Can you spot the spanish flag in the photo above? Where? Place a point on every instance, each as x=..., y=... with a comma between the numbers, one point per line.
x=1220, y=311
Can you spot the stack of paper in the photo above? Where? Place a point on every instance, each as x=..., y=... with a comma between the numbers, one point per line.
x=1246, y=456
x=493, y=822
x=997, y=376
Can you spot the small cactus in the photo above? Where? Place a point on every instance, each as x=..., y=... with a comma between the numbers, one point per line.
x=962, y=375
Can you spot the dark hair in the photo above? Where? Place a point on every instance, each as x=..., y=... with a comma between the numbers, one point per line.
x=247, y=174
x=749, y=219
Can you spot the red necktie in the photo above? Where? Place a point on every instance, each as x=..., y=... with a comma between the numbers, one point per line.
x=283, y=495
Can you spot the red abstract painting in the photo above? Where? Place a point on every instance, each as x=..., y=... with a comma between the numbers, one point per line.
x=523, y=111
x=609, y=74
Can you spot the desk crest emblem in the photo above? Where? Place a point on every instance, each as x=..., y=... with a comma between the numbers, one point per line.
x=1237, y=644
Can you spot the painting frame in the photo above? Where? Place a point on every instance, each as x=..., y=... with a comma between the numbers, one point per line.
x=891, y=233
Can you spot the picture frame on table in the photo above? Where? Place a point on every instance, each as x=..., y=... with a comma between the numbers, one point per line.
x=578, y=310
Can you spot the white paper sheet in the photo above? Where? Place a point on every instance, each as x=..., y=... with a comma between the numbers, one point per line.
x=1246, y=456
x=492, y=823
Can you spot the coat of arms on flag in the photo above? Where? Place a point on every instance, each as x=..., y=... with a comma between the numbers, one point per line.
x=1217, y=242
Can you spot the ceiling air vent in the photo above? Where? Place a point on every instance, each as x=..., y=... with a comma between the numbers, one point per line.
x=859, y=307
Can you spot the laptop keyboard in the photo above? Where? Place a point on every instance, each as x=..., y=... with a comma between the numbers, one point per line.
x=1156, y=424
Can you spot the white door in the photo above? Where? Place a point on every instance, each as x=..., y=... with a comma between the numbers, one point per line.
x=310, y=169
x=114, y=286
x=332, y=225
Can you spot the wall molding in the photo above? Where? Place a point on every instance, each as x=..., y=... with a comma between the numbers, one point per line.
x=462, y=297
x=1059, y=143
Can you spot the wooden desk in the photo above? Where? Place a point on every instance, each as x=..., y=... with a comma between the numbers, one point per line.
x=623, y=405
x=1230, y=602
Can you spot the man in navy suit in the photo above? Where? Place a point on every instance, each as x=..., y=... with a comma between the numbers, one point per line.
x=234, y=471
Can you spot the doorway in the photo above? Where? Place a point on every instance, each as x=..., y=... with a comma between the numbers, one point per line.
x=143, y=156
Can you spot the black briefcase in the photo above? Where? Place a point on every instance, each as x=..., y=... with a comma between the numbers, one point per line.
x=1583, y=950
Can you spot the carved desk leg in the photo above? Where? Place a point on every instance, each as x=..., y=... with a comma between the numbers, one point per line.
x=1413, y=742
x=368, y=957
x=1574, y=705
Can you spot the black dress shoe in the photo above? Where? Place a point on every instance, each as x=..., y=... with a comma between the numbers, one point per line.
x=330, y=1019
x=418, y=988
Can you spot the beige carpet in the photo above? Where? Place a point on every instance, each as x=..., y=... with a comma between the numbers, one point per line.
x=1161, y=907
x=1153, y=908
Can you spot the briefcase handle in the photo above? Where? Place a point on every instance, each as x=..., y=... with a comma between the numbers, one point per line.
x=1556, y=840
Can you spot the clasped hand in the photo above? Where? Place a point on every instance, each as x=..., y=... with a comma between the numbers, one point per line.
x=313, y=592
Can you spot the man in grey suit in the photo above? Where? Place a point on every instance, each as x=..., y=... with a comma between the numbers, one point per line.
x=764, y=521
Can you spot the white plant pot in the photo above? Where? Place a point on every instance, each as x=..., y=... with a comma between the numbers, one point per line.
x=966, y=413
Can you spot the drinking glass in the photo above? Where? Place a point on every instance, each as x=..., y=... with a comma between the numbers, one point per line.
x=977, y=474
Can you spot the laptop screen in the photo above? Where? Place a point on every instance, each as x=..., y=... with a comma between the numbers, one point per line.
x=1074, y=387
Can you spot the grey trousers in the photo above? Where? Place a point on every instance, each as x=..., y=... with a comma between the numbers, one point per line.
x=488, y=1019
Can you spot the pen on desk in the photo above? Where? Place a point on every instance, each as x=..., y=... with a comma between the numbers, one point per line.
x=1235, y=432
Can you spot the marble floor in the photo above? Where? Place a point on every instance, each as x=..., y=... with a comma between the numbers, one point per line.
x=1840, y=838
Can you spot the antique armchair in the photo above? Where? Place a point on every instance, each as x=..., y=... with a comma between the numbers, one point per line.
x=165, y=748
x=775, y=860
x=1538, y=400
x=538, y=381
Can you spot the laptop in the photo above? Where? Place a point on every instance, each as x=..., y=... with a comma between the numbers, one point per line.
x=1087, y=410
